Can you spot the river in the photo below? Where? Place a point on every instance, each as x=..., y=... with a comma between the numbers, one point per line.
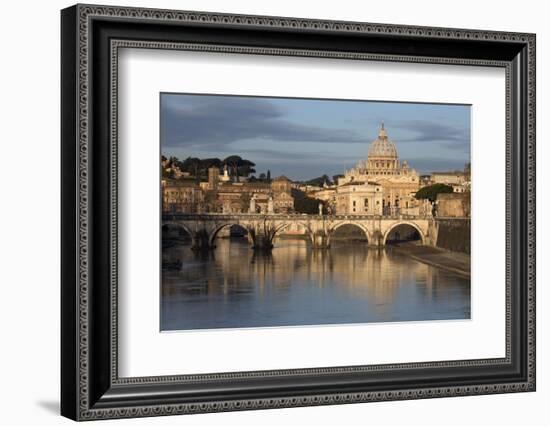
x=294, y=285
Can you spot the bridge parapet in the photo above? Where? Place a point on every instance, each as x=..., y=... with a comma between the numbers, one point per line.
x=295, y=216
x=263, y=228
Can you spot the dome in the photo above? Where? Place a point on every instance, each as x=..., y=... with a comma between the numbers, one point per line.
x=382, y=147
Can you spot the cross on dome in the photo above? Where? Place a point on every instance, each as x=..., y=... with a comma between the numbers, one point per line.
x=382, y=146
x=382, y=133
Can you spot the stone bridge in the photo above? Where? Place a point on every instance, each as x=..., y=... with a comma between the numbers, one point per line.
x=263, y=228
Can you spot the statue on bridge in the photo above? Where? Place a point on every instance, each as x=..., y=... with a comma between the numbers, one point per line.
x=252, y=207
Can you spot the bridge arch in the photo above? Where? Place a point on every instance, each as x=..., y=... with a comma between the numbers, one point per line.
x=404, y=223
x=165, y=225
x=214, y=233
x=284, y=226
x=333, y=229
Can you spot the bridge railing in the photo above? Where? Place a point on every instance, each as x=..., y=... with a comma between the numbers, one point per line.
x=289, y=216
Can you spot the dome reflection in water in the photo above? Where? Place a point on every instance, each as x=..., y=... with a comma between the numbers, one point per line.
x=233, y=286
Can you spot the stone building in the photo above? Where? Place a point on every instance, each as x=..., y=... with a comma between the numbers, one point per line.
x=181, y=196
x=235, y=197
x=283, y=201
x=453, y=205
x=220, y=195
x=397, y=183
x=448, y=178
x=171, y=169
x=359, y=198
x=213, y=178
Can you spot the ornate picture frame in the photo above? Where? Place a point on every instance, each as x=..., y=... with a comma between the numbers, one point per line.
x=91, y=386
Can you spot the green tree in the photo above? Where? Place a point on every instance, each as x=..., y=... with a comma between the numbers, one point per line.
x=319, y=181
x=305, y=204
x=239, y=166
x=246, y=168
x=192, y=165
x=207, y=163
x=430, y=192
x=233, y=162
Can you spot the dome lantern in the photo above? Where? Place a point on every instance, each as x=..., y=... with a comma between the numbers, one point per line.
x=382, y=147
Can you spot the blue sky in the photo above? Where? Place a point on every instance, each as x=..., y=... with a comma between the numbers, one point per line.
x=305, y=138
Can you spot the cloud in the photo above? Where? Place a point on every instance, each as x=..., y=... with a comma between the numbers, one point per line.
x=275, y=135
x=435, y=131
x=215, y=122
x=429, y=165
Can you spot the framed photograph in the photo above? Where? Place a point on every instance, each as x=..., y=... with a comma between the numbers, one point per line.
x=263, y=212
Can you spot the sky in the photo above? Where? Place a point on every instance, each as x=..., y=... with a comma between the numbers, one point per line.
x=306, y=138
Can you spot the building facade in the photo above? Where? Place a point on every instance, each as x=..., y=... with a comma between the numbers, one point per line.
x=219, y=195
x=381, y=179
x=449, y=178
x=381, y=185
x=359, y=198
x=181, y=196
x=453, y=205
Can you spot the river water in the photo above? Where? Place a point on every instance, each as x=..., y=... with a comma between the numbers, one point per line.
x=233, y=287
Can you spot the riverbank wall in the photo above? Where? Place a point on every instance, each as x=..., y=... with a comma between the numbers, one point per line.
x=452, y=234
x=441, y=258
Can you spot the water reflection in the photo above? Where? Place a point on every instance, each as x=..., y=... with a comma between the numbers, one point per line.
x=233, y=286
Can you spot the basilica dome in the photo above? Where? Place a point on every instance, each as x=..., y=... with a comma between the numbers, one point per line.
x=382, y=147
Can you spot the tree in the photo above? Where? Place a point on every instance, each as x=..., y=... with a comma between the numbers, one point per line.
x=239, y=166
x=246, y=168
x=192, y=165
x=319, y=181
x=268, y=177
x=207, y=163
x=305, y=204
x=336, y=177
x=430, y=192
x=233, y=162
x=198, y=168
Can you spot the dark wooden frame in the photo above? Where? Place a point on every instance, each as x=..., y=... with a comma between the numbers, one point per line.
x=90, y=386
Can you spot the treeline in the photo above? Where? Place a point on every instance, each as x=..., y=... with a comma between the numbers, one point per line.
x=237, y=167
x=305, y=204
x=430, y=192
x=198, y=167
x=322, y=180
